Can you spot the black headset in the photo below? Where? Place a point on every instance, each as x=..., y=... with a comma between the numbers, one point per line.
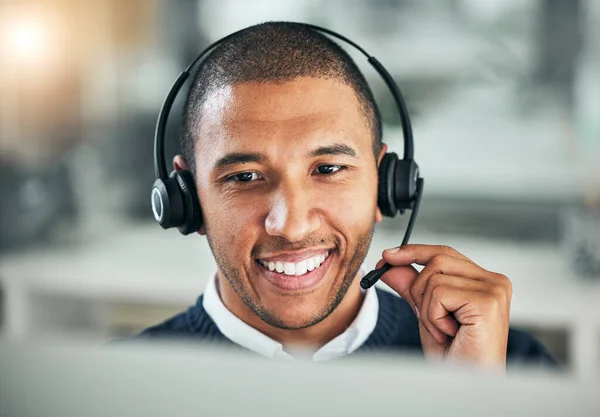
x=175, y=201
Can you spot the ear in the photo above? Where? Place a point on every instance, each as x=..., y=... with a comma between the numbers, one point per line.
x=180, y=164
x=378, y=215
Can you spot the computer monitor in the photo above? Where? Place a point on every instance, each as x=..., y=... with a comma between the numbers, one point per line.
x=169, y=379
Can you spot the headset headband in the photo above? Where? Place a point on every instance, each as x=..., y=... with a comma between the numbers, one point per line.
x=160, y=166
x=174, y=198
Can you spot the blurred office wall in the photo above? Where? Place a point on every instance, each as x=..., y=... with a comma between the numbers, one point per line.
x=82, y=84
x=504, y=97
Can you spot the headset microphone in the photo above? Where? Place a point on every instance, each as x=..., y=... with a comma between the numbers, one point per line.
x=175, y=201
x=372, y=277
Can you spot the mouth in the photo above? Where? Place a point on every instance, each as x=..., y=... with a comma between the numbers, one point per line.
x=296, y=272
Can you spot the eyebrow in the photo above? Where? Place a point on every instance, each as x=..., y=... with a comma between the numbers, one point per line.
x=335, y=149
x=239, y=158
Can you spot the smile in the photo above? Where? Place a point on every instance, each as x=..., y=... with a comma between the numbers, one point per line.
x=296, y=271
x=298, y=268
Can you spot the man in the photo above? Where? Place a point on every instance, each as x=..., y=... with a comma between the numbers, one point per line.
x=283, y=138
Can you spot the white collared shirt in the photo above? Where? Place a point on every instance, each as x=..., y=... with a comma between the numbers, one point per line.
x=248, y=337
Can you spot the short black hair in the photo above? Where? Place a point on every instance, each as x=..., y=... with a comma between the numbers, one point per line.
x=274, y=52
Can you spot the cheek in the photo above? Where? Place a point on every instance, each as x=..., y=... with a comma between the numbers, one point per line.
x=351, y=207
x=229, y=223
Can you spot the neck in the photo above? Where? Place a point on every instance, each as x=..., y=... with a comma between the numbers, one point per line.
x=310, y=338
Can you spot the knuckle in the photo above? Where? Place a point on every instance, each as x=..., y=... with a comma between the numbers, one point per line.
x=439, y=260
x=498, y=292
x=509, y=289
x=487, y=304
x=504, y=283
x=492, y=305
x=507, y=284
x=438, y=291
x=447, y=250
x=436, y=279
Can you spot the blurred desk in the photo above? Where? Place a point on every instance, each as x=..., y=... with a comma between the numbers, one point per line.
x=146, y=265
x=139, y=265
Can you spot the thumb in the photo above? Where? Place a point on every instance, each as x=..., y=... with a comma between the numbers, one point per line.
x=400, y=279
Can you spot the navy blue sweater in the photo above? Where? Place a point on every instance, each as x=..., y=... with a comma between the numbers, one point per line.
x=397, y=329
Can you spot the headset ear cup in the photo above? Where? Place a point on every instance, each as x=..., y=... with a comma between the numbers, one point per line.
x=193, y=212
x=167, y=203
x=405, y=187
x=385, y=189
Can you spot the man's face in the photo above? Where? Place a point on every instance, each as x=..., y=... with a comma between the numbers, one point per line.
x=288, y=185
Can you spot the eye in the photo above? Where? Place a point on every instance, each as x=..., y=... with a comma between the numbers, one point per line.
x=245, y=177
x=328, y=169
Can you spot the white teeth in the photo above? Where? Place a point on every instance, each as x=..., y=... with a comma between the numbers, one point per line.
x=289, y=268
x=301, y=268
x=295, y=268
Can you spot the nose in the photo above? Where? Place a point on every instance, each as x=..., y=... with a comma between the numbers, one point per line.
x=292, y=215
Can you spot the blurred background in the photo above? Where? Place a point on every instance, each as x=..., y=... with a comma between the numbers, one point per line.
x=505, y=100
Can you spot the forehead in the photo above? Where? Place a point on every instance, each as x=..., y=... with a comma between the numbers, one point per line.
x=294, y=114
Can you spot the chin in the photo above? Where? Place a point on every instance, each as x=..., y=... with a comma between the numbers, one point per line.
x=293, y=313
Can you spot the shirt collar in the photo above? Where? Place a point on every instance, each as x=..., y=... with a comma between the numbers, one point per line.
x=248, y=337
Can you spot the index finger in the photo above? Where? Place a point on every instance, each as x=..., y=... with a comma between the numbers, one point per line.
x=419, y=254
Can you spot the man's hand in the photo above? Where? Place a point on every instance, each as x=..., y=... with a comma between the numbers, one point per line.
x=463, y=309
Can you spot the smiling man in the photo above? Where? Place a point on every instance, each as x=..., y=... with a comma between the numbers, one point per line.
x=283, y=139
